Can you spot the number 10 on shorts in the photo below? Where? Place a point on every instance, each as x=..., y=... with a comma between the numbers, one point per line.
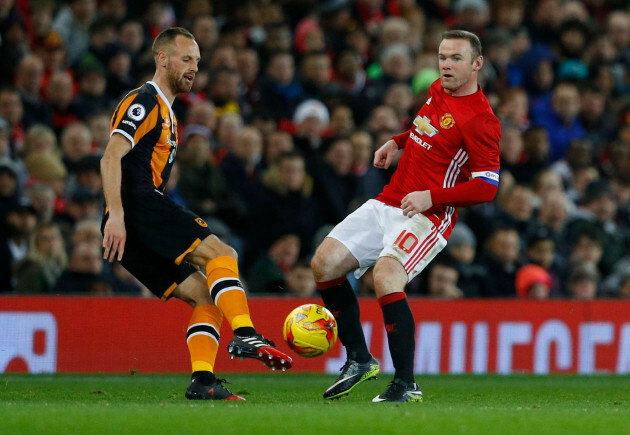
x=406, y=241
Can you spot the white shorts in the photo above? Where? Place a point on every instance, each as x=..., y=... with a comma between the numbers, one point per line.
x=377, y=230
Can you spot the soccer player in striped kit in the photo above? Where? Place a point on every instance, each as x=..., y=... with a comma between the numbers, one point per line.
x=160, y=242
x=450, y=158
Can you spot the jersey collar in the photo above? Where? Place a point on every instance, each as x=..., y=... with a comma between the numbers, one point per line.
x=163, y=97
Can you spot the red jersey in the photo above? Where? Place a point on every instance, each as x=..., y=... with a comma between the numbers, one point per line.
x=453, y=140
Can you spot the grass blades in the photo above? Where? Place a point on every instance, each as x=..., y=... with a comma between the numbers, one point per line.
x=289, y=403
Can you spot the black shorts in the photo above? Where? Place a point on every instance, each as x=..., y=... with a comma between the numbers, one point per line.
x=159, y=235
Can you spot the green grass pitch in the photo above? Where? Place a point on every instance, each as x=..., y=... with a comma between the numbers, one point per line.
x=292, y=404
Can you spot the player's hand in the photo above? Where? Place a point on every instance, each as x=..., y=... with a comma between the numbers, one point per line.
x=384, y=155
x=114, y=236
x=416, y=202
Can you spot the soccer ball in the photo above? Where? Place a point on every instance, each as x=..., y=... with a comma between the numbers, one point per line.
x=310, y=330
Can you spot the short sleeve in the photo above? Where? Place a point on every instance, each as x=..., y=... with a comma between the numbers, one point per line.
x=135, y=116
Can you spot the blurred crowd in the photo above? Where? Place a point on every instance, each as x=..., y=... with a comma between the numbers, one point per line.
x=278, y=133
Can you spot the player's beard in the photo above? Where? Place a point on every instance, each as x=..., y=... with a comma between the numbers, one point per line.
x=176, y=81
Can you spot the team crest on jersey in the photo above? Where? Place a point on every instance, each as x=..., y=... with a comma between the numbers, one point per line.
x=201, y=222
x=136, y=112
x=447, y=121
x=423, y=126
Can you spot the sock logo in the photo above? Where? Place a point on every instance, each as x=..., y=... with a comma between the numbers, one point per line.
x=390, y=327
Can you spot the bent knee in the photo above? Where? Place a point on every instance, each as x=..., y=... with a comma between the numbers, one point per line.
x=212, y=247
x=320, y=264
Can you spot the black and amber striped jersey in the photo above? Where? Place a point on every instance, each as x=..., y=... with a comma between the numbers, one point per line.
x=146, y=119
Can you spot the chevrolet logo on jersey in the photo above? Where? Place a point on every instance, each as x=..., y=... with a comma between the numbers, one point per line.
x=423, y=126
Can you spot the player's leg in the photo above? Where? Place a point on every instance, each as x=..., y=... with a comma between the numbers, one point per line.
x=165, y=279
x=331, y=263
x=202, y=339
x=180, y=236
x=227, y=293
x=409, y=247
x=390, y=280
x=352, y=240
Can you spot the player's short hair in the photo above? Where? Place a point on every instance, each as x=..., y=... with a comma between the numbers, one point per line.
x=166, y=38
x=475, y=43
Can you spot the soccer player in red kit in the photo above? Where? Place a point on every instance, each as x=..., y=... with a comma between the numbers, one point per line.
x=450, y=158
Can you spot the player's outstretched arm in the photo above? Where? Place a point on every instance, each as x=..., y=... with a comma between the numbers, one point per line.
x=384, y=155
x=114, y=233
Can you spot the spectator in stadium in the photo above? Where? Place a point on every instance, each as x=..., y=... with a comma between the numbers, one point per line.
x=311, y=120
x=228, y=128
x=280, y=93
x=45, y=262
x=88, y=173
x=399, y=97
x=420, y=205
x=223, y=90
x=583, y=281
x=587, y=246
x=517, y=209
x=462, y=245
x=600, y=211
x=42, y=197
x=12, y=111
x=287, y=204
x=84, y=274
x=59, y=95
x=341, y=121
x=76, y=144
x=560, y=118
x=47, y=167
x=546, y=182
x=72, y=23
x=202, y=184
x=103, y=38
x=270, y=272
x=82, y=204
x=300, y=281
x=501, y=261
x=131, y=37
x=536, y=153
x=533, y=282
x=442, y=279
x=9, y=186
x=28, y=81
x=242, y=165
x=370, y=181
x=383, y=118
x=248, y=68
x=206, y=32
x=98, y=124
x=118, y=72
x=541, y=250
x=316, y=77
x=17, y=224
x=86, y=231
x=335, y=186
x=167, y=243
x=276, y=143
x=92, y=96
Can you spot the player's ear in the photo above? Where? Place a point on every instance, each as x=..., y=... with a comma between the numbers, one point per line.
x=478, y=63
x=162, y=59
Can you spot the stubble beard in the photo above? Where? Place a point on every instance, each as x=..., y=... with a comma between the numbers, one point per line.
x=177, y=82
